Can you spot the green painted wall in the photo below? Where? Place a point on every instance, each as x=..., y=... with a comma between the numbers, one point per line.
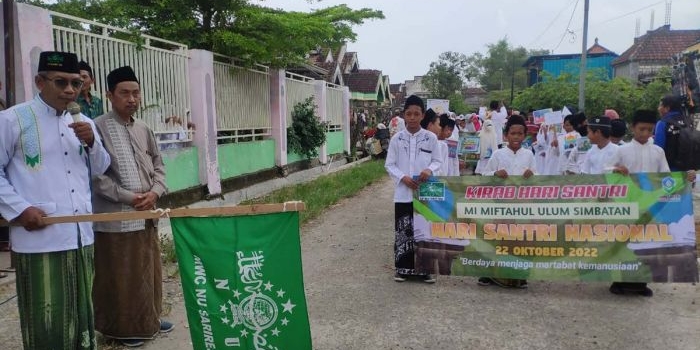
x=336, y=142
x=293, y=157
x=181, y=168
x=245, y=157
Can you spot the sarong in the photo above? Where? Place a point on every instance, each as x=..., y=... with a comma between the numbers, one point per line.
x=128, y=283
x=54, y=297
x=404, y=242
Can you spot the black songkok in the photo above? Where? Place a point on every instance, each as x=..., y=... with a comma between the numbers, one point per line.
x=618, y=128
x=58, y=62
x=82, y=65
x=599, y=122
x=120, y=75
x=644, y=116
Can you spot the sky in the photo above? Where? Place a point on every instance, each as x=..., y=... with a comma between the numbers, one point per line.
x=415, y=32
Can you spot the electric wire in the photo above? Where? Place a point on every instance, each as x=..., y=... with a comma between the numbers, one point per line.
x=552, y=22
x=568, y=26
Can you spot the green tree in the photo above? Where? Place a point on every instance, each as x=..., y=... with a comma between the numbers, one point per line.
x=457, y=104
x=238, y=28
x=501, y=65
x=307, y=133
x=446, y=76
x=620, y=94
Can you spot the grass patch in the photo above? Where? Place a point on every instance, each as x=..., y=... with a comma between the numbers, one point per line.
x=327, y=190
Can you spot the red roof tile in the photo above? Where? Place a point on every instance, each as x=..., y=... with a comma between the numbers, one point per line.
x=597, y=48
x=347, y=58
x=364, y=80
x=658, y=45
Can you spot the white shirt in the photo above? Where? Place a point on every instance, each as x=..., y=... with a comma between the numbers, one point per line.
x=642, y=158
x=44, y=166
x=600, y=161
x=408, y=155
x=650, y=158
x=499, y=121
x=514, y=163
x=444, y=159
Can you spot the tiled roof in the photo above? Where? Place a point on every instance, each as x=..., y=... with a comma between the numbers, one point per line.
x=597, y=48
x=347, y=58
x=394, y=88
x=658, y=45
x=364, y=80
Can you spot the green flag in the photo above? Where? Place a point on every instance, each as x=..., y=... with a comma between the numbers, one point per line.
x=242, y=281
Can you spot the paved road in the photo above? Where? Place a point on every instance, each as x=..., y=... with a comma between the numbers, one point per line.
x=355, y=304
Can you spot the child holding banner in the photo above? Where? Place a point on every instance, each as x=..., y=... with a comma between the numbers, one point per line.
x=641, y=155
x=510, y=160
x=600, y=158
x=412, y=158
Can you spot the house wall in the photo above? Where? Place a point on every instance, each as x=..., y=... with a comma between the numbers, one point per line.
x=246, y=157
x=181, y=168
x=557, y=67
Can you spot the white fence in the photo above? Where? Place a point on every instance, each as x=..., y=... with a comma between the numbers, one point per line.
x=242, y=94
x=299, y=88
x=334, y=107
x=160, y=65
x=242, y=101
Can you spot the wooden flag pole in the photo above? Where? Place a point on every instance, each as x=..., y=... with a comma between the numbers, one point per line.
x=174, y=213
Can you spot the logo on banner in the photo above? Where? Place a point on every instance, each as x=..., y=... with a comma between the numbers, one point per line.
x=258, y=307
x=668, y=183
x=431, y=191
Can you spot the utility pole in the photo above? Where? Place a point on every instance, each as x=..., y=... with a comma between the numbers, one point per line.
x=8, y=19
x=582, y=70
x=512, y=79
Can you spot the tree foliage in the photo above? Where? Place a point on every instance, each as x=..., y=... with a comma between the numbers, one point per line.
x=447, y=75
x=238, y=28
x=307, y=133
x=501, y=64
x=620, y=94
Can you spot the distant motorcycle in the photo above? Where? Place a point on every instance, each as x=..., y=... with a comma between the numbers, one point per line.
x=378, y=143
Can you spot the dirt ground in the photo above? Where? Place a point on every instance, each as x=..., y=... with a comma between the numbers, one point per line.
x=354, y=303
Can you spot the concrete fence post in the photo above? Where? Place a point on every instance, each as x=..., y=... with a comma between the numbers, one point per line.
x=203, y=114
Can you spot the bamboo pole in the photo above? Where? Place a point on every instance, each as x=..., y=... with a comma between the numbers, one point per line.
x=174, y=213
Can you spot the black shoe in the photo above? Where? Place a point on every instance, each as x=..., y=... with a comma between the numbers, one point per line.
x=484, y=281
x=521, y=284
x=399, y=277
x=621, y=288
x=166, y=327
x=646, y=292
x=616, y=288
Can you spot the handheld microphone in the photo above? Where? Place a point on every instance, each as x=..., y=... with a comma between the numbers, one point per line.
x=74, y=110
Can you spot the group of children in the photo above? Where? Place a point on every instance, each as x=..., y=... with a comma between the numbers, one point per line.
x=419, y=152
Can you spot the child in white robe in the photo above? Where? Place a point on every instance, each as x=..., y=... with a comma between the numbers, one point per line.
x=600, y=159
x=641, y=155
x=488, y=144
x=511, y=160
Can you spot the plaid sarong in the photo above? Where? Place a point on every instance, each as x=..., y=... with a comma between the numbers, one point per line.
x=54, y=296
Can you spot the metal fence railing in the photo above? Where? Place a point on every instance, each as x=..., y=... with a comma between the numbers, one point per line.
x=161, y=66
x=334, y=107
x=242, y=101
x=299, y=88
